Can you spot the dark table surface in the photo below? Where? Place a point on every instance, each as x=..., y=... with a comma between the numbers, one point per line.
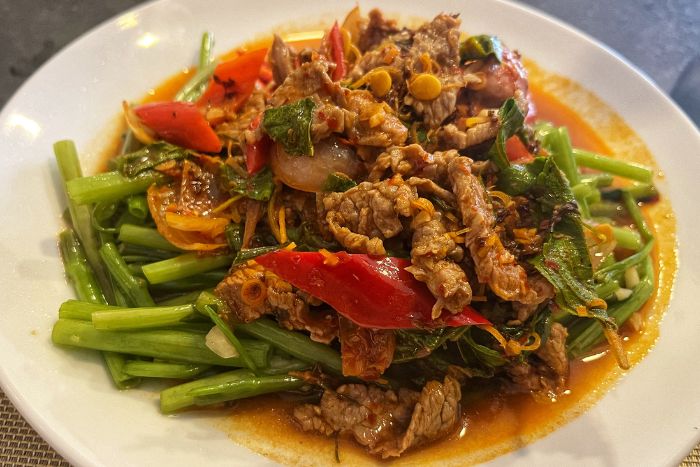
x=662, y=38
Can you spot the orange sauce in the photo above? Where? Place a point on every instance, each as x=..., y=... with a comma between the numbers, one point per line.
x=497, y=424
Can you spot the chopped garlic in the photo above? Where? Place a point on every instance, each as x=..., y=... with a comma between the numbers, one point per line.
x=218, y=343
x=622, y=294
x=631, y=277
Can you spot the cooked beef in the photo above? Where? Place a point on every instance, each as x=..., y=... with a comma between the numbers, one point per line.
x=237, y=125
x=430, y=248
x=363, y=216
x=458, y=136
x=501, y=80
x=376, y=123
x=366, y=353
x=329, y=119
x=265, y=293
x=385, y=422
x=535, y=378
x=281, y=59
x=543, y=291
x=413, y=160
x=494, y=265
x=425, y=186
x=388, y=55
x=310, y=79
x=375, y=30
x=439, y=39
x=553, y=352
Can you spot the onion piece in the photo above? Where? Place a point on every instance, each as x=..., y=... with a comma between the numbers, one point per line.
x=142, y=133
x=217, y=342
x=309, y=173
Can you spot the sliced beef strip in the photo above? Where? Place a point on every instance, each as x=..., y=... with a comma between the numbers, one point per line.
x=386, y=422
x=374, y=31
x=310, y=79
x=440, y=39
x=458, y=136
x=494, y=265
x=376, y=123
x=413, y=160
x=279, y=298
x=553, y=352
x=281, y=59
x=431, y=247
x=365, y=352
x=362, y=217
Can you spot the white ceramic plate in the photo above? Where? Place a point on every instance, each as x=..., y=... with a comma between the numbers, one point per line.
x=650, y=418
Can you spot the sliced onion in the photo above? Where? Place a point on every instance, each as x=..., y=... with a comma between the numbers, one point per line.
x=309, y=173
x=217, y=342
x=142, y=133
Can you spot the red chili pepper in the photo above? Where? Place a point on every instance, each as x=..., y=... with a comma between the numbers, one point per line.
x=179, y=123
x=517, y=152
x=372, y=292
x=336, y=42
x=234, y=80
x=257, y=154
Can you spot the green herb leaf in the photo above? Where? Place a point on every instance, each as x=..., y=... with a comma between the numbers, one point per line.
x=234, y=236
x=133, y=163
x=482, y=46
x=339, y=182
x=290, y=126
x=411, y=345
x=564, y=260
x=258, y=187
x=246, y=254
x=511, y=121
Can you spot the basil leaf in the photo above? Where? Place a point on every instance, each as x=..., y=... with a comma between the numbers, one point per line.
x=338, y=182
x=290, y=126
x=234, y=236
x=482, y=46
x=258, y=186
x=564, y=260
x=511, y=121
x=133, y=163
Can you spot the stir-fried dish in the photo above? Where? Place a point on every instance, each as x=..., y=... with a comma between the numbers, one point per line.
x=373, y=222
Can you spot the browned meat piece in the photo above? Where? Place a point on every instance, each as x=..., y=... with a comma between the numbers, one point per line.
x=458, y=136
x=553, y=352
x=363, y=216
x=385, y=422
x=386, y=55
x=329, y=119
x=494, y=265
x=281, y=59
x=537, y=379
x=310, y=79
x=436, y=111
x=425, y=186
x=543, y=290
x=413, y=160
x=250, y=292
x=237, y=125
x=439, y=39
x=366, y=352
x=375, y=30
x=376, y=123
x=445, y=279
x=500, y=82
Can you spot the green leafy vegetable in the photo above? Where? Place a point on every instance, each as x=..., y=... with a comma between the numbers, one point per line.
x=564, y=260
x=234, y=236
x=411, y=345
x=258, y=187
x=511, y=121
x=133, y=163
x=338, y=181
x=290, y=126
x=482, y=46
x=472, y=350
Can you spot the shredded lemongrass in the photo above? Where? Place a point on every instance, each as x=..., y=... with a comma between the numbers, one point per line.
x=425, y=205
x=451, y=217
x=329, y=258
x=504, y=198
x=283, y=225
x=473, y=121
x=223, y=206
x=291, y=246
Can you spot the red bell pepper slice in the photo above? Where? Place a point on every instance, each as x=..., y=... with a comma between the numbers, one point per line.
x=180, y=123
x=257, y=154
x=517, y=152
x=372, y=292
x=336, y=43
x=234, y=80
